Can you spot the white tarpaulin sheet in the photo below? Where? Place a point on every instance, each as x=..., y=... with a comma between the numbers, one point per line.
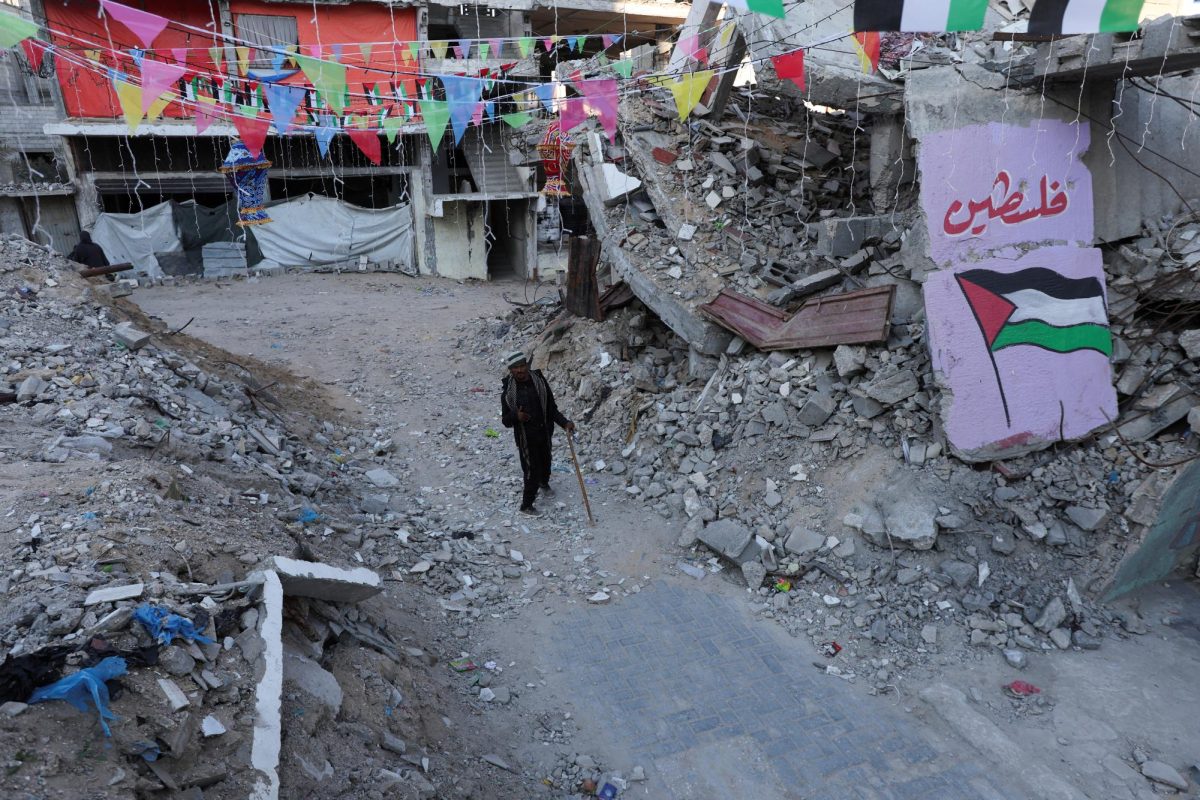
x=135, y=238
x=316, y=230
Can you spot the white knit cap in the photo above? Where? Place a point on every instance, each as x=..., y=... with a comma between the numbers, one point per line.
x=514, y=358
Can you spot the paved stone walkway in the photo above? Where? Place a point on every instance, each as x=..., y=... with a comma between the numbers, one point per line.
x=725, y=706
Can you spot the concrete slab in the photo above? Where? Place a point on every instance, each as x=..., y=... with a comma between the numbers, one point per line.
x=268, y=694
x=323, y=582
x=111, y=594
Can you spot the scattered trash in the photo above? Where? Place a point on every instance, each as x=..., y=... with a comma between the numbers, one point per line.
x=830, y=649
x=20, y=675
x=165, y=626
x=607, y=791
x=147, y=751
x=783, y=585
x=307, y=515
x=1021, y=689
x=87, y=683
x=463, y=665
x=492, y=433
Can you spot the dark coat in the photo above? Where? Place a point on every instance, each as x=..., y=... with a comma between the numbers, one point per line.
x=88, y=253
x=508, y=414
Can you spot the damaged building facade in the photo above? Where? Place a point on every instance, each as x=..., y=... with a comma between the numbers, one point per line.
x=467, y=209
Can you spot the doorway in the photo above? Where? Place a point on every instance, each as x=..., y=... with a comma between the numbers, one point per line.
x=509, y=232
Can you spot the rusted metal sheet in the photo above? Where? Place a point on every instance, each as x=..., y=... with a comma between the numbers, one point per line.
x=852, y=318
x=583, y=292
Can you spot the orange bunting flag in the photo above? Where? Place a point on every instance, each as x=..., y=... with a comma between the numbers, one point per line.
x=867, y=43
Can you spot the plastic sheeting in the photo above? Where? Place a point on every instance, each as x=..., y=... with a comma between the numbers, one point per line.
x=136, y=238
x=315, y=230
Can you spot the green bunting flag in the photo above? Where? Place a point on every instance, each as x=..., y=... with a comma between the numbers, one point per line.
x=14, y=30
x=436, y=114
x=328, y=78
x=517, y=120
x=624, y=67
x=391, y=127
x=525, y=46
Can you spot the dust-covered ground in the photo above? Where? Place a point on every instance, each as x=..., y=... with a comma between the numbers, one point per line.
x=594, y=656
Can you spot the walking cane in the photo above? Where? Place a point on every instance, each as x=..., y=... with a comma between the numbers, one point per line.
x=579, y=474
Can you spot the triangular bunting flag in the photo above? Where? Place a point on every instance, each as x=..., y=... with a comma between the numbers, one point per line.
x=324, y=133
x=284, y=100
x=687, y=89
x=215, y=54
x=14, y=29
x=137, y=54
x=545, y=93
x=868, y=45
x=525, y=46
x=142, y=24
x=206, y=113
x=624, y=67
x=689, y=47
x=327, y=78
x=159, y=106
x=484, y=49
x=157, y=78
x=391, y=127
x=367, y=140
x=580, y=43
x=243, y=56
x=458, y=52
x=130, y=98
x=490, y=108
x=35, y=53
x=771, y=8
x=462, y=94
x=439, y=48
x=414, y=50
x=252, y=131
x=365, y=48
x=436, y=114
x=549, y=43
x=517, y=120
x=572, y=42
x=180, y=55
x=571, y=114
x=600, y=99
x=790, y=66
x=607, y=40
x=497, y=47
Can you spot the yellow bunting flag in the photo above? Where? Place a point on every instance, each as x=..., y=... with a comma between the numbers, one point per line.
x=687, y=89
x=439, y=48
x=130, y=97
x=243, y=55
x=215, y=53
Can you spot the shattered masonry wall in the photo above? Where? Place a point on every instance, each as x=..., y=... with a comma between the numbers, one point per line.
x=1018, y=330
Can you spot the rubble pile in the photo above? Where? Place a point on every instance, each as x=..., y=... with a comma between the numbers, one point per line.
x=149, y=481
x=744, y=200
x=923, y=556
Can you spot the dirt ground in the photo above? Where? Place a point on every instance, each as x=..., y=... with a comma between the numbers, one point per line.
x=396, y=354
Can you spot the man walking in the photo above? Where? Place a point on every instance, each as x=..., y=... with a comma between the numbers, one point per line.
x=527, y=406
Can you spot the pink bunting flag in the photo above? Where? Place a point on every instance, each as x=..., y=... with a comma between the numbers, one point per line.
x=206, y=113
x=600, y=99
x=157, y=78
x=253, y=132
x=571, y=114
x=477, y=115
x=607, y=39
x=496, y=44
x=179, y=54
x=548, y=44
x=690, y=47
x=142, y=24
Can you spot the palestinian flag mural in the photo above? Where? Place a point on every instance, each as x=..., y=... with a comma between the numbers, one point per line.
x=1037, y=307
x=1085, y=16
x=919, y=16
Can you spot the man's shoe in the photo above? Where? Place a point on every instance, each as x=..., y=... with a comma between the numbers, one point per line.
x=530, y=511
x=545, y=488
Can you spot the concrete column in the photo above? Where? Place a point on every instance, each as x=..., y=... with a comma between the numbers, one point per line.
x=225, y=18
x=890, y=161
x=422, y=192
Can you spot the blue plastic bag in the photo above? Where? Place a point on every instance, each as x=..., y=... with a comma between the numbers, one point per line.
x=165, y=626
x=86, y=684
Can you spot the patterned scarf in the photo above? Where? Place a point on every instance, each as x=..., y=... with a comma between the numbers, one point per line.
x=510, y=397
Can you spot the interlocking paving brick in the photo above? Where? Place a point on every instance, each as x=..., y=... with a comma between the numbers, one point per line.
x=724, y=703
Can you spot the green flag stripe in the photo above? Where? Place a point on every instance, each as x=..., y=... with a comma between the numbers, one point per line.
x=966, y=15
x=1034, y=332
x=1121, y=15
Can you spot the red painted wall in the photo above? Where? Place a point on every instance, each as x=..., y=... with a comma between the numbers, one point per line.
x=87, y=91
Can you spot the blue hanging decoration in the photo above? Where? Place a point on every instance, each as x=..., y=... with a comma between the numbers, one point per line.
x=248, y=176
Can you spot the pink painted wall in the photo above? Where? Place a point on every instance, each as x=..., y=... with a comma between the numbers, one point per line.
x=982, y=188
x=1043, y=389
x=1006, y=198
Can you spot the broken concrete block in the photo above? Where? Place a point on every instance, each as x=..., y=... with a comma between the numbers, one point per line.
x=30, y=388
x=131, y=337
x=174, y=694
x=895, y=388
x=663, y=156
x=849, y=361
x=687, y=232
x=323, y=582
x=841, y=237
x=1162, y=773
x=316, y=681
x=1087, y=518
x=111, y=594
x=727, y=537
x=713, y=200
x=380, y=477
x=817, y=409
x=1190, y=342
x=803, y=541
x=722, y=163
x=615, y=185
x=268, y=694
x=909, y=522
